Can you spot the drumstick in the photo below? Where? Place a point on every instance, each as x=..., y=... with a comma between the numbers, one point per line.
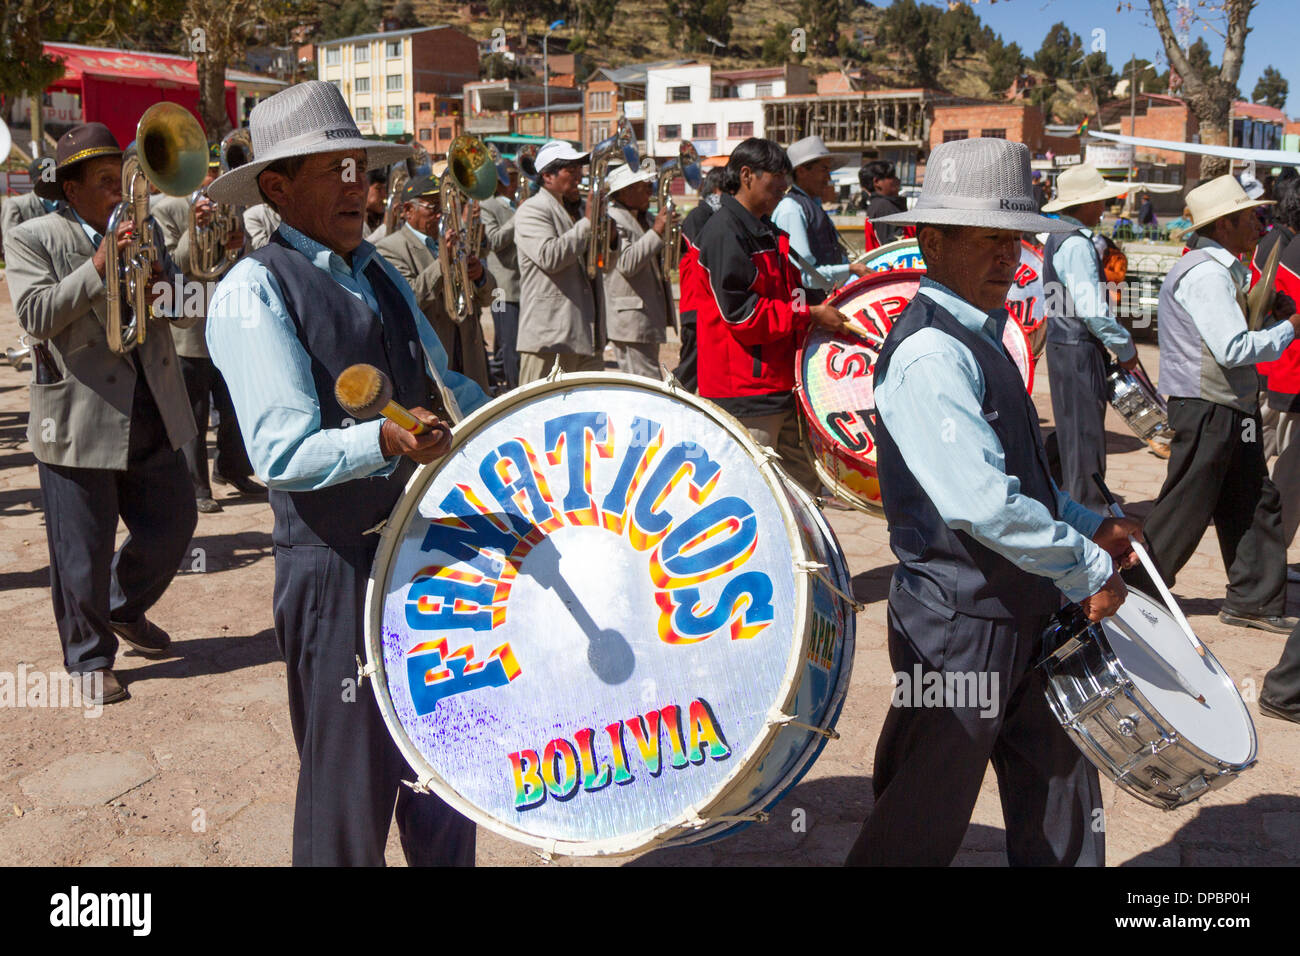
x=1169, y=669
x=1174, y=610
x=365, y=392
x=862, y=332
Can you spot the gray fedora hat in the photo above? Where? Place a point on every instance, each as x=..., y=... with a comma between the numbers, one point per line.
x=302, y=120
x=979, y=182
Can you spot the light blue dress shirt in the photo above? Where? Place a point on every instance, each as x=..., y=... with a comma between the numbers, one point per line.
x=253, y=341
x=1209, y=295
x=1076, y=264
x=931, y=400
x=789, y=218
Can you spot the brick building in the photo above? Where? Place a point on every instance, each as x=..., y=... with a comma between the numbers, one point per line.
x=1158, y=116
x=438, y=121
x=1017, y=122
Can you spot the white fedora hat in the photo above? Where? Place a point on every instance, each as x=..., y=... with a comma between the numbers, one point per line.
x=624, y=176
x=1083, y=184
x=302, y=120
x=812, y=148
x=557, y=151
x=979, y=182
x=1220, y=197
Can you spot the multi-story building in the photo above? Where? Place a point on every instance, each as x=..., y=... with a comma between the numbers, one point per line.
x=379, y=74
x=1257, y=125
x=1154, y=116
x=493, y=106
x=611, y=93
x=438, y=121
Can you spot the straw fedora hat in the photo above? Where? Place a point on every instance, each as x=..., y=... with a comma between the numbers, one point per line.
x=624, y=176
x=1083, y=184
x=812, y=148
x=979, y=182
x=1220, y=197
x=302, y=120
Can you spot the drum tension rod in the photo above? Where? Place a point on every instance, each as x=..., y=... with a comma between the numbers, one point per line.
x=364, y=670
x=670, y=379
x=556, y=372
x=419, y=786
x=787, y=720
x=697, y=822
x=815, y=568
x=377, y=529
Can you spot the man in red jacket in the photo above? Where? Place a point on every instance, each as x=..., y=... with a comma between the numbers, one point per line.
x=751, y=331
x=692, y=280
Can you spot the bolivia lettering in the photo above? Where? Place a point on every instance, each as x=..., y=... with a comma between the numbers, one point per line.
x=481, y=547
x=565, y=764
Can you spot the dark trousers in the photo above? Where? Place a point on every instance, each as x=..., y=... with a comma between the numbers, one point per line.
x=1282, y=684
x=351, y=771
x=930, y=760
x=199, y=374
x=232, y=457
x=687, y=371
x=1077, y=374
x=1217, y=471
x=90, y=584
x=505, y=334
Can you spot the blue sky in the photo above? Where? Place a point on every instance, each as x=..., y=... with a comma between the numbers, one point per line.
x=1271, y=42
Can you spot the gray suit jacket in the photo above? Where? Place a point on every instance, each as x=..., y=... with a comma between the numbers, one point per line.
x=422, y=271
x=638, y=301
x=173, y=215
x=499, y=230
x=18, y=209
x=84, y=419
x=260, y=222
x=559, y=309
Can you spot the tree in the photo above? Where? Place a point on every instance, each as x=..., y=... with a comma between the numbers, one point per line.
x=776, y=46
x=908, y=27
x=821, y=18
x=692, y=22
x=956, y=33
x=346, y=18
x=1271, y=89
x=1060, y=53
x=1095, y=74
x=1209, y=93
x=1006, y=62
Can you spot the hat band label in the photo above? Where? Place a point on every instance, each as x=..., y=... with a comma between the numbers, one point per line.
x=986, y=203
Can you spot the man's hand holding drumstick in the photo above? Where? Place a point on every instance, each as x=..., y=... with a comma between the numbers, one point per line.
x=417, y=433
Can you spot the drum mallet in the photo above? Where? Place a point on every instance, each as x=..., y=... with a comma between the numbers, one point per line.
x=1175, y=611
x=365, y=392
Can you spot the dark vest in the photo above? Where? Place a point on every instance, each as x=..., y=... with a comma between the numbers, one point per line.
x=946, y=569
x=822, y=238
x=337, y=329
x=1064, y=326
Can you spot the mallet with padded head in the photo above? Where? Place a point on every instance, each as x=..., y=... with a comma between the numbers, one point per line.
x=365, y=392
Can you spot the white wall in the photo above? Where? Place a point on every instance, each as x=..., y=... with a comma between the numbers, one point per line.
x=701, y=109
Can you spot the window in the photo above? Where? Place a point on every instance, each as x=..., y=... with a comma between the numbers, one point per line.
x=426, y=133
x=393, y=82
x=598, y=132
x=669, y=132
x=679, y=94
x=361, y=53
x=704, y=131
x=600, y=102
x=721, y=91
x=362, y=85
x=392, y=48
x=333, y=55
x=763, y=89
x=425, y=107
x=337, y=84
x=362, y=114
x=396, y=112
x=952, y=135
x=994, y=133
x=740, y=130
x=444, y=133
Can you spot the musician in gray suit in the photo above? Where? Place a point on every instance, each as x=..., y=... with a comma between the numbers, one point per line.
x=638, y=300
x=559, y=308
x=413, y=251
x=106, y=429
x=16, y=209
x=498, y=213
x=260, y=223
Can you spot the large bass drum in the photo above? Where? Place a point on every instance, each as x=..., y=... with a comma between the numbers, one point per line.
x=833, y=382
x=1024, y=300
x=607, y=621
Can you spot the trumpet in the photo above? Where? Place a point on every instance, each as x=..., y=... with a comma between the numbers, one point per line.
x=686, y=165
x=171, y=153
x=470, y=177
x=527, y=182
x=209, y=258
x=601, y=242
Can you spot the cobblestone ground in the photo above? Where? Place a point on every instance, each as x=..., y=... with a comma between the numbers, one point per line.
x=199, y=766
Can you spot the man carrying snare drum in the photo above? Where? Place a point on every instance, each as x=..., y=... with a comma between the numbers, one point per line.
x=985, y=540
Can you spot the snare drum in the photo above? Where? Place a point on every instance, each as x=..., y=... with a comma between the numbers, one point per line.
x=606, y=621
x=1121, y=690
x=833, y=382
x=1024, y=300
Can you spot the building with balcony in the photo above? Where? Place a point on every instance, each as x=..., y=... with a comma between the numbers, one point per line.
x=491, y=104
x=380, y=74
x=611, y=93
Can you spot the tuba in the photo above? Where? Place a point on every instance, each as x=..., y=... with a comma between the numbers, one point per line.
x=172, y=153
x=686, y=165
x=398, y=176
x=622, y=145
x=470, y=177
x=209, y=258
x=527, y=182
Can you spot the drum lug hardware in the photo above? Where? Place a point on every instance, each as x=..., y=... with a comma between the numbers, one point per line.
x=377, y=529
x=556, y=371
x=364, y=670
x=696, y=822
x=814, y=568
x=670, y=379
x=787, y=720
x=419, y=786
x=1127, y=726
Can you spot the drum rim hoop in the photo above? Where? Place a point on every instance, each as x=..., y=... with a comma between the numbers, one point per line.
x=629, y=843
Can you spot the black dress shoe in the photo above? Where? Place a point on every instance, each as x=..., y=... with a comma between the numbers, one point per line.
x=207, y=506
x=1274, y=623
x=245, y=486
x=144, y=637
x=1269, y=710
x=102, y=687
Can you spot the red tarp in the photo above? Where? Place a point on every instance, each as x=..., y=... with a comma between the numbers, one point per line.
x=117, y=86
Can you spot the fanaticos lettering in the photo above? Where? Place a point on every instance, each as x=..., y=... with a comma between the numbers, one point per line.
x=565, y=764
x=480, y=548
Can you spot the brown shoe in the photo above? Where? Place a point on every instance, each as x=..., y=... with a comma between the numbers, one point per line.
x=144, y=637
x=103, y=687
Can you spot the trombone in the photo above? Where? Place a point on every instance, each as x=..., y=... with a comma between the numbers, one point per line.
x=470, y=177
x=686, y=165
x=172, y=153
x=210, y=259
x=600, y=245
